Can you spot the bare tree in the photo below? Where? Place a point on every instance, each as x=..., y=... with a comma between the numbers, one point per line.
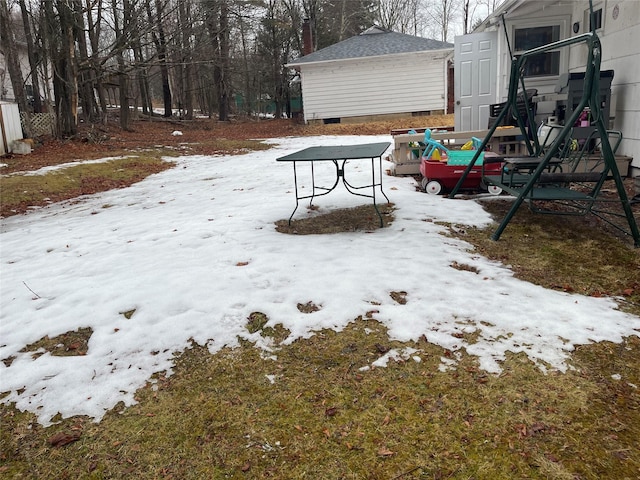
x=140, y=65
x=31, y=52
x=59, y=32
x=160, y=41
x=397, y=15
x=274, y=43
x=8, y=43
x=442, y=14
x=86, y=73
x=186, y=57
x=217, y=21
x=94, y=19
x=474, y=11
x=121, y=18
x=180, y=51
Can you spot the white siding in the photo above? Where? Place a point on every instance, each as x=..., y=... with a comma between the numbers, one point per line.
x=621, y=53
x=374, y=86
x=10, y=128
x=531, y=16
x=6, y=89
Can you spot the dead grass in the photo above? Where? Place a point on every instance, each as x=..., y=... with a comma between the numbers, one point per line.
x=568, y=253
x=318, y=410
x=19, y=193
x=356, y=219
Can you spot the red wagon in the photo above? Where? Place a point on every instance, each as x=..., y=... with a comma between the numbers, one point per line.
x=439, y=176
x=442, y=168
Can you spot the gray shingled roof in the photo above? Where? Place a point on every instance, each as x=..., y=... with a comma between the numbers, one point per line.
x=372, y=43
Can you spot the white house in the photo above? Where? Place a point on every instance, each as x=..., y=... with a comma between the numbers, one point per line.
x=377, y=73
x=483, y=60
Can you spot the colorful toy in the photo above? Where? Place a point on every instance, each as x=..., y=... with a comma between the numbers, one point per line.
x=441, y=168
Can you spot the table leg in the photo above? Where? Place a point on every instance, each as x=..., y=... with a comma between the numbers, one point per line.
x=314, y=188
x=295, y=182
x=352, y=189
x=381, y=190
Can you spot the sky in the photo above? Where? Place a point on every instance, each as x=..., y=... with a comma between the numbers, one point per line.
x=194, y=250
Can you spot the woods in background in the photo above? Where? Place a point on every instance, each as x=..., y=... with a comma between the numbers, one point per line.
x=179, y=57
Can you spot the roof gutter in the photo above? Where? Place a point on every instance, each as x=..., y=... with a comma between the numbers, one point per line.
x=317, y=62
x=496, y=17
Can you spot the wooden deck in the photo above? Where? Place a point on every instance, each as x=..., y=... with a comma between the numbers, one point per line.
x=504, y=142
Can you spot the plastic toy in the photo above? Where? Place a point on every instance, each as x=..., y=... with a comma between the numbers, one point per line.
x=441, y=168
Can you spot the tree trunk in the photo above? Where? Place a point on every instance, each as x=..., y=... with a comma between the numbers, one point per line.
x=121, y=42
x=65, y=88
x=187, y=57
x=11, y=58
x=223, y=77
x=85, y=72
x=218, y=26
x=125, y=116
x=33, y=65
x=143, y=78
x=142, y=74
x=248, y=93
x=93, y=30
x=161, y=47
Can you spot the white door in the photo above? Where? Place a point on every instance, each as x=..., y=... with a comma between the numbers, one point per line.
x=475, y=78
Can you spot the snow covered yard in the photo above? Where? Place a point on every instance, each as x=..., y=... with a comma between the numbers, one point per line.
x=191, y=252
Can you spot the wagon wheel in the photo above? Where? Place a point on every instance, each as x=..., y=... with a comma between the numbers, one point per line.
x=433, y=187
x=492, y=189
x=423, y=183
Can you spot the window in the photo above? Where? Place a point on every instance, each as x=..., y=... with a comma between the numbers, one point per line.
x=597, y=19
x=542, y=64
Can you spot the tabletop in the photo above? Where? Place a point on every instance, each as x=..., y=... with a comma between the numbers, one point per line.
x=337, y=152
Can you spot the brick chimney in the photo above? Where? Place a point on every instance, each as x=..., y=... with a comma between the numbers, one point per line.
x=307, y=37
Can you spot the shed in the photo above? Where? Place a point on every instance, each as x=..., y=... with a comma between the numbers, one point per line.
x=10, y=128
x=378, y=73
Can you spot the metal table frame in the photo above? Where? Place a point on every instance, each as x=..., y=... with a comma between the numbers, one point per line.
x=339, y=155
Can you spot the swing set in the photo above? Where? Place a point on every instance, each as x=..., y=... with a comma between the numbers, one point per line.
x=551, y=172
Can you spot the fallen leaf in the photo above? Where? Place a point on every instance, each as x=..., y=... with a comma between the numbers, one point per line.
x=521, y=428
x=242, y=264
x=246, y=467
x=551, y=457
x=331, y=411
x=385, y=452
x=538, y=427
x=61, y=439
